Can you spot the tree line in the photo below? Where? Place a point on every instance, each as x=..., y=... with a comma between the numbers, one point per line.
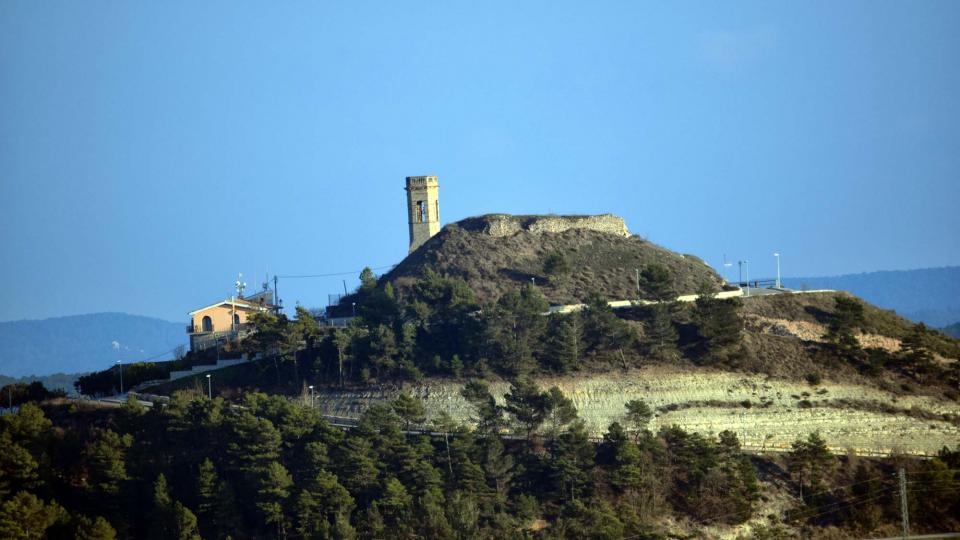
x=268, y=467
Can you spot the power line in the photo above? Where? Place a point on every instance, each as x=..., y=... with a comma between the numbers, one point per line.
x=333, y=274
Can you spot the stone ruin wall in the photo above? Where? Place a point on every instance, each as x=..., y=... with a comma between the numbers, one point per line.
x=498, y=225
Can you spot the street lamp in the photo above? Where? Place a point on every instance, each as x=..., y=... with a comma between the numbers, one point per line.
x=209, y=388
x=311, y=396
x=747, y=271
x=353, y=306
x=777, y=255
x=121, y=376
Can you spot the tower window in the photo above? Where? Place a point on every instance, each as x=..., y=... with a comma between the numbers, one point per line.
x=421, y=212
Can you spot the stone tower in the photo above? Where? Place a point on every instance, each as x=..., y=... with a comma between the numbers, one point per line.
x=423, y=208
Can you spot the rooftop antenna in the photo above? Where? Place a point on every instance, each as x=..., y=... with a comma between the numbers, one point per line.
x=240, y=285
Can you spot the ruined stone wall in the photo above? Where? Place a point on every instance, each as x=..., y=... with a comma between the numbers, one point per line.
x=507, y=225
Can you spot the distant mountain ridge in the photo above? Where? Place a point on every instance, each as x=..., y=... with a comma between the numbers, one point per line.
x=928, y=295
x=81, y=343
x=953, y=330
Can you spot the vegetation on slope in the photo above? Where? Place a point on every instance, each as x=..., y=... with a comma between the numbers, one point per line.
x=568, y=267
x=440, y=330
x=274, y=469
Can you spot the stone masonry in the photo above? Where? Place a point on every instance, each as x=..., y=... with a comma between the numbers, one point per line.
x=498, y=225
x=423, y=209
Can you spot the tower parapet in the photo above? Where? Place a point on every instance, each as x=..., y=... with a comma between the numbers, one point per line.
x=423, y=209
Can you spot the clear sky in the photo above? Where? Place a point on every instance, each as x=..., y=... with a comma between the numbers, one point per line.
x=150, y=151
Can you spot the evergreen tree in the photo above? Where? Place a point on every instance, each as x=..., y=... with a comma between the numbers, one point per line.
x=409, y=408
x=657, y=282
x=526, y=405
x=489, y=417
x=24, y=516
x=810, y=460
x=207, y=484
x=846, y=319
x=563, y=337
x=660, y=333
x=272, y=493
x=719, y=325
x=94, y=529
x=915, y=351
x=638, y=416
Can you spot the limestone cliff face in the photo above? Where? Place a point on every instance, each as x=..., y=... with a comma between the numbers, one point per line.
x=500, y=225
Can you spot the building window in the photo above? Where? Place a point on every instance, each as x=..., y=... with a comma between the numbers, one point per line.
x=236, y=319
x=207, y=324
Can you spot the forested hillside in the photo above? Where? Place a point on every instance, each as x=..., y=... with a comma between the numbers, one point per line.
x=274, y=469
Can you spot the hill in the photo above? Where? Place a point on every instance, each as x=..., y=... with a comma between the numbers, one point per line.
x=498, y=253
x=930, y=295
x=953, y=330
x=83, y=342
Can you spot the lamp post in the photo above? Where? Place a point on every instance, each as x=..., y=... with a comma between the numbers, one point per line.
x=747, y=264
x=121, y=376
x=777, y=255
x=209, y=388
x=311, y=396
x=353, y=306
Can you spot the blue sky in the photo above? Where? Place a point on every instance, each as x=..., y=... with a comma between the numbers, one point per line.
x=150, y=151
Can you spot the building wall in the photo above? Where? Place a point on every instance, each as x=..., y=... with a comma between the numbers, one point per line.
x=423, y=209
x=221, y=317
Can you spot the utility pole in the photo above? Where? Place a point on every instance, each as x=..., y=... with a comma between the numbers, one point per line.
x=638, y=283
x=904, y=511
x=276, y=295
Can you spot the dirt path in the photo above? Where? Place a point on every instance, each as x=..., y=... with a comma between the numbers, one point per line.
x=765, y=413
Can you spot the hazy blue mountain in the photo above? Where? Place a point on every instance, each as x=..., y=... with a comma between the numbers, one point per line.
x=55, y=381
x=930, y=295
x=84, y=342
x=952, y=330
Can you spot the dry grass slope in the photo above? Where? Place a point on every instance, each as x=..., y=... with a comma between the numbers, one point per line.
x=599, y=263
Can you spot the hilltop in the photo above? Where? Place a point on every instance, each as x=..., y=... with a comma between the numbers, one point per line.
x=497, y=253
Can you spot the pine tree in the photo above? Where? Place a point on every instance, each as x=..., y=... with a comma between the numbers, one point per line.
x=846, y=319
x=24, y=516
x=657, y=281
x=272, y=493
x=409, y=408
x=638, y=416
x=94, y=529
x=207, y=496
x=526, y=404
x=661, y=335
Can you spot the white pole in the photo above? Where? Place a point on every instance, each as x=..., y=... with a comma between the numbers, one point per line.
x=747, y=264
x=777, y=255
x=209, y=388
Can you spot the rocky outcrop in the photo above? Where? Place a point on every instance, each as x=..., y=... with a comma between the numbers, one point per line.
x=499, y=225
